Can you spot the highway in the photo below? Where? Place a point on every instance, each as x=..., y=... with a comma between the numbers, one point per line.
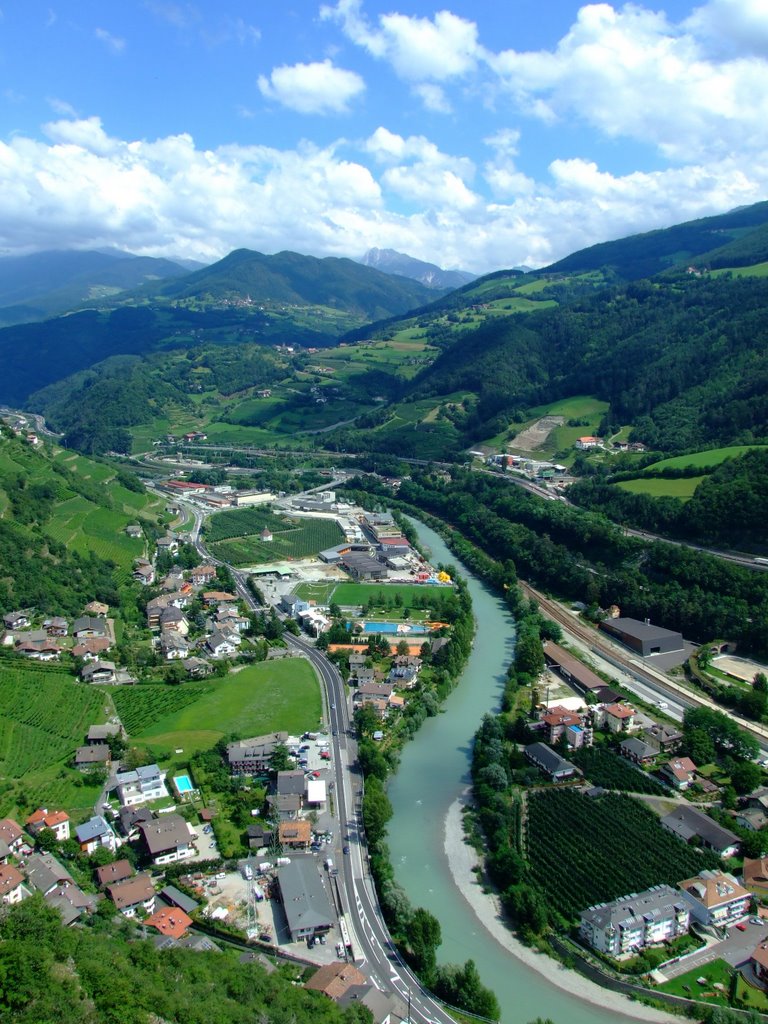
x=374, y=952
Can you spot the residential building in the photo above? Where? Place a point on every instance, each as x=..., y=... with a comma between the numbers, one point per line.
x=99, y=672
x=559, y=723
x=292, y=605
x=11, y=834
x=615, y=717
x=295, y=835
x=88, y=626
x=335, y=979
x=167, y=839
x=16, y=620
x=141, y=785
x=759, y=962
x=117, y=871
x=45, y=873
x=556, y=767
x=97, y=608
x=94, y=833
x=202, y=575
x=642, y=637
x=637, y=751
x=680, y=772
x=220, y=645
x=252, y=755
x=103, y=733
x=175, y=898
x=170, y=922
x=211, y=597
x=91, y=647
x=586, y=443
x=174, y=646
x=693, y=826
x=11, y=880
x=306, y=903
x=716, y=899
x=56, y=821
x=631, y=923
x=665, y=737
x=133, y=894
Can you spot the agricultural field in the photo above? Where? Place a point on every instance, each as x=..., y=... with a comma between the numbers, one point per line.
x=257, y=699
x=561, y=439
x=355, y=595
x=582, y=851
x=44, y=715
x=702, y=460
x=604, y=768
x=659, y=487
x=139, y=707
x=83, y=526
x=301, y=538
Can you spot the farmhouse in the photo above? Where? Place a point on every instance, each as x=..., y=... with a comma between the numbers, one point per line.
x=631, y=923
x=715, y=898
x=556, y=767
x=93, y=755
x=642, y=637
x=692, y=825
x=587, y=443
x=99, y=672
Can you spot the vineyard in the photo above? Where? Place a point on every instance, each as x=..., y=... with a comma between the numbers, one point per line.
x=607, y=769
x=296, y=539
x=583, y=851
x=139, y=707
x=243, y=522
x=43, y=717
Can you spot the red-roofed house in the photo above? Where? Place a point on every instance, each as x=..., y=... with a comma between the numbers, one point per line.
x=616, y=717
x=10, y=884
x=10, y=832
x=56, y=821
x=678, y=772
x=561, y=722
x=170, y=921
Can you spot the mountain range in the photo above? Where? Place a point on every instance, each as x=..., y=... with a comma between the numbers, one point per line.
x=431, y=276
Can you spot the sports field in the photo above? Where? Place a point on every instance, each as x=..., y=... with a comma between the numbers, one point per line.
x=354, y=595
x=258, y=699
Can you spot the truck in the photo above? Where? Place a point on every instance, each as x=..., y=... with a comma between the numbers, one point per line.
x=248, y=872
x=329, y=863
x=282, y=860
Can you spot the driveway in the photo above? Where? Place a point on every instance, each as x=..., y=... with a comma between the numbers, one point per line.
x=736, y=949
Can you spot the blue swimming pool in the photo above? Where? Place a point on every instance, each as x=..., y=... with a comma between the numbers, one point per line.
x=403, y=629
x=183, y=783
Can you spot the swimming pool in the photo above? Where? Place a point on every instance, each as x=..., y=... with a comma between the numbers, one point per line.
x=399, y=628
x=183, y=784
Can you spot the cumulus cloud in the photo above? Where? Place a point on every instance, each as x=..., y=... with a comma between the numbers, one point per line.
x=433, y=97
x=629, y=73
x=317, y=88
x=81, y=186
x=419, y=49
x=740, y=25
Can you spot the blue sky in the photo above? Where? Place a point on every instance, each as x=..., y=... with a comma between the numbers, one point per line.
x=476, y=135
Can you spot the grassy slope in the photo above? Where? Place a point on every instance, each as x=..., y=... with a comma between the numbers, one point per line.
x=257, y=699
x=660, y=488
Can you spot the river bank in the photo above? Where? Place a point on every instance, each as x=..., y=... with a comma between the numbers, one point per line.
x=462, y=860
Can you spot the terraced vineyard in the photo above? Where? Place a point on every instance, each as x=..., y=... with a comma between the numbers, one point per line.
x=44, y=715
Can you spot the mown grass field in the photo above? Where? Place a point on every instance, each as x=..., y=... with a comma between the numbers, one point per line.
x=354, y=595
x=716, y=972
x=318, y=592
x=702, y=460
x=561, y=439
x=258, y=699
x=658, y=487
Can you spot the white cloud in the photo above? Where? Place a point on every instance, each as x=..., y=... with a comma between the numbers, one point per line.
x=740, y=25
x=113, y=43
x=318, y=88
x=82, y=187
x=433, y=97
x=419, y=49
x=629, y=73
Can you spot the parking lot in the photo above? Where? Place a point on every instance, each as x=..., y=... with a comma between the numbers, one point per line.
x=736, y=949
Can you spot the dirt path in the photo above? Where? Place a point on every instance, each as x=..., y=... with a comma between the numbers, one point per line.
x=533, y=437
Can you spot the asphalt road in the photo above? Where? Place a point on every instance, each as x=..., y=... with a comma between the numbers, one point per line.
x=373, y=951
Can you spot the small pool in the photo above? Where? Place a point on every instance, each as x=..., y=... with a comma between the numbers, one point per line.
x=183, y=783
